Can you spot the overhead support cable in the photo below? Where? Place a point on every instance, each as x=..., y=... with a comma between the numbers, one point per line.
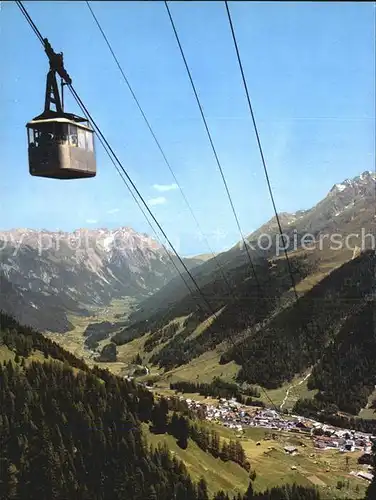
x=212, y=145
x=304, y=326
x=116, y=160
x=100, y=134
x=30, y=21
x=140, y=208
x=47, y=48
x=84, y=109
x=260, y=147
x=158, y=144
x=223, y=179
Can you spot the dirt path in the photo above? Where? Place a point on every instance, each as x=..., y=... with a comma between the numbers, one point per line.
x=292, y=387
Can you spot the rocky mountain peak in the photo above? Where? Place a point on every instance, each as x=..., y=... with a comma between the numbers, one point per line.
x=342, y=204
x=87, y=267
x=362, y=180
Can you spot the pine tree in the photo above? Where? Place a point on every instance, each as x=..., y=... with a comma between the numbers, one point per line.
x=221, y=495
x=174, y=425
x=215, y=444
x=249, y=493
x=145, y=406
x=160, y=417
x=225, y=453
x=68, y=433
x=202, y=490
x=180, y=492
x=240, y=456
x=183, y=432
x=137, y=359
x=232, y=450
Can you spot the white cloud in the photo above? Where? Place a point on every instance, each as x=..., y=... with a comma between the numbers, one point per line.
x=113, y=211
x=165, y=187
x=161, y=200
x=91, y=221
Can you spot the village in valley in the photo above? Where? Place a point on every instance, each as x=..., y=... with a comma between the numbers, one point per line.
x=234, y=415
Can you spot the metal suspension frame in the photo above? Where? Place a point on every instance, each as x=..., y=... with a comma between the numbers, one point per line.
x=52, y=94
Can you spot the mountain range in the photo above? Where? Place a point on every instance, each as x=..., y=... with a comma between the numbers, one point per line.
x=274, y=334
x=347, y=209
x=262, y=324
x=78, y=272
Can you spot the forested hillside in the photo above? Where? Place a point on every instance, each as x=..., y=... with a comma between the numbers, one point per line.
x=245, y=305
x=70, y=432
x=299, y=336
x=34, y=308
x=331, y=330
x=346, y=208
x=75, y=434
x=346, y=374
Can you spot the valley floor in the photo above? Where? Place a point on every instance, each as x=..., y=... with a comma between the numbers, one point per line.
x=325, y=469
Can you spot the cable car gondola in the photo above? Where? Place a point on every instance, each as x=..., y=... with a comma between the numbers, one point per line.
x=61, y=145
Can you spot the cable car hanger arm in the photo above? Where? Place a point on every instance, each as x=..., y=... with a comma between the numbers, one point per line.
x=52, y=95
x=56, y=62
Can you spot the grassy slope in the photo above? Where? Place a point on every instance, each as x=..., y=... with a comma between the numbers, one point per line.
x=6, y=354
x=203, y=257
x=369, y=413
x=202, y=369
x=273, y=466
x=297, y=389
x=218, y=474
x=323, y=468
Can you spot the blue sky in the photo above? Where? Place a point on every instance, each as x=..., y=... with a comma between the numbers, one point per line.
x=311, y=73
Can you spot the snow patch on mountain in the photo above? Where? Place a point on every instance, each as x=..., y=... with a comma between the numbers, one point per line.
x=339, y=187
x=85, y=268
